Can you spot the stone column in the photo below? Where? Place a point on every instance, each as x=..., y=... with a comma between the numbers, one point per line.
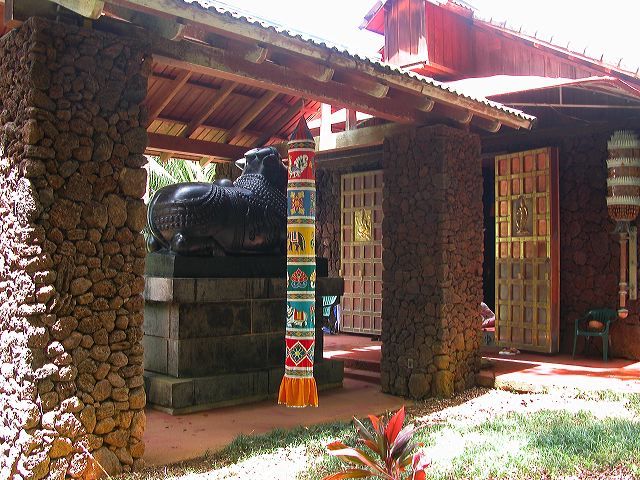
x=71, y=253
x=328, y=218
x=432, y=239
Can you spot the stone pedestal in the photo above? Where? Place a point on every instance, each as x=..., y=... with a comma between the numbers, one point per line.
x=218, y=341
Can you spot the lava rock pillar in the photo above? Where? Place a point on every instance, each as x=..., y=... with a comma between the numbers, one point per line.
x=72, y=139
x=433, y=244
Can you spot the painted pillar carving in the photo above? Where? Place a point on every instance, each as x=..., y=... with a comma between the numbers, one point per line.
x=71, y=253
x=433, y=243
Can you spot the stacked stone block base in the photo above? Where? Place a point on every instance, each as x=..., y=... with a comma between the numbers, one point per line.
x=218, y=341
x=433, y=243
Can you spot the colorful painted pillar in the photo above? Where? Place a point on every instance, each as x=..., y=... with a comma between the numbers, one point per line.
x=298, y=387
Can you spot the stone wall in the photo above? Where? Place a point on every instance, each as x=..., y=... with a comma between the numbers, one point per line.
x=71, y=258
x=328, y=218
x=589, y=254
x=432, y=238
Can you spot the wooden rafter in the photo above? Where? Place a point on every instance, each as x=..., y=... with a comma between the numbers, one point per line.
x=242, y=30
x=325, y=126
x=191, y=147
x=171, y=91
x=351, y=120
x=211, y=90
x=165, y=27
x=216, y=62
x=217, y=100
x=460, y=115
x=210, y=125
x=486, y=124
x=317, y=71
x=363, y=84
x=86, y=8
x=250, y=114
x=293, y=111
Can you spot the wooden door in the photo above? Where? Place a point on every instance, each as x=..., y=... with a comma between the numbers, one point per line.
x=527, y=250
x=361, y=252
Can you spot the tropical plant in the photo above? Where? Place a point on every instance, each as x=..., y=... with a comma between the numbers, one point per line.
x=176, y=170
x=391, y=452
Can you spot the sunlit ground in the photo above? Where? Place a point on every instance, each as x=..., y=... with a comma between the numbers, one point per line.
x=481, y=434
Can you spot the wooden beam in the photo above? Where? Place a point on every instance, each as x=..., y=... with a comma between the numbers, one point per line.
x=486, y=124
x=219, y=97
x=177, y=121
x=460, y=115
x=325, y=127
x=165, y=27
x=211, y=90
x=351, y=121
x=254, y=52
x=181, y=79
x=317, y=71
x=238, y=28
x=250, y=114
x=165, y=156
x=425, y=104
x=363, y=84
x=275, y=127
x=204, y=161
x=86, y=8
x=216, y=62
x=188, y=146
x=362, y=137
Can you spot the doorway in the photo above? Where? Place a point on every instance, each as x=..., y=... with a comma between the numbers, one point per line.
x=527, y=268
x=361, y=251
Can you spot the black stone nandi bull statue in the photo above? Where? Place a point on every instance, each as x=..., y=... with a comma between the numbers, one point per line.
x=248, y=216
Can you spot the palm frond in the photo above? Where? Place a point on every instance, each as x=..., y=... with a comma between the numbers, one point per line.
x=176, y=170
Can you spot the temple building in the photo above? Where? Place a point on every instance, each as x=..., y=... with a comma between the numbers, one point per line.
x=464, y=129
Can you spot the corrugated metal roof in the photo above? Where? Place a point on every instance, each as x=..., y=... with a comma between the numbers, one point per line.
x=219, y=8
x=506, y=84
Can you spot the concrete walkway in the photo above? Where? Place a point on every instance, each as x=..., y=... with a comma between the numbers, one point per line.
x=173, y=438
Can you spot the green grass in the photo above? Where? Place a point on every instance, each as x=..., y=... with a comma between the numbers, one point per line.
x=634, y=403
x=522, y=446
x=546, y=442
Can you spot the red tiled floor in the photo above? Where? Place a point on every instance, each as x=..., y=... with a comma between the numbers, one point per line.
x=524, y=371
x=352, y=347
x=562, y=371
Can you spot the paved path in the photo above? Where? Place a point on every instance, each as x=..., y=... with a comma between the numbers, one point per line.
x=173, y=438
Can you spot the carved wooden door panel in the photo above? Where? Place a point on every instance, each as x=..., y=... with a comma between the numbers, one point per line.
x=527, y=250
x=361, y=252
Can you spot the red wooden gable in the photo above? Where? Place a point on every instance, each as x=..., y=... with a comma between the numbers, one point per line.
x=451, y=44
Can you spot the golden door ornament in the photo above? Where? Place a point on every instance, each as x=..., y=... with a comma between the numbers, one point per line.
x=521, y=217
x=362, y=223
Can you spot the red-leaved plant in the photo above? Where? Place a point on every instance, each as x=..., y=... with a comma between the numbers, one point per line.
x=394, y=453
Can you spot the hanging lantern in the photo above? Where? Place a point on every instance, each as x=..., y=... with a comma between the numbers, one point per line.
x=623, y=204
x=623, y=182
